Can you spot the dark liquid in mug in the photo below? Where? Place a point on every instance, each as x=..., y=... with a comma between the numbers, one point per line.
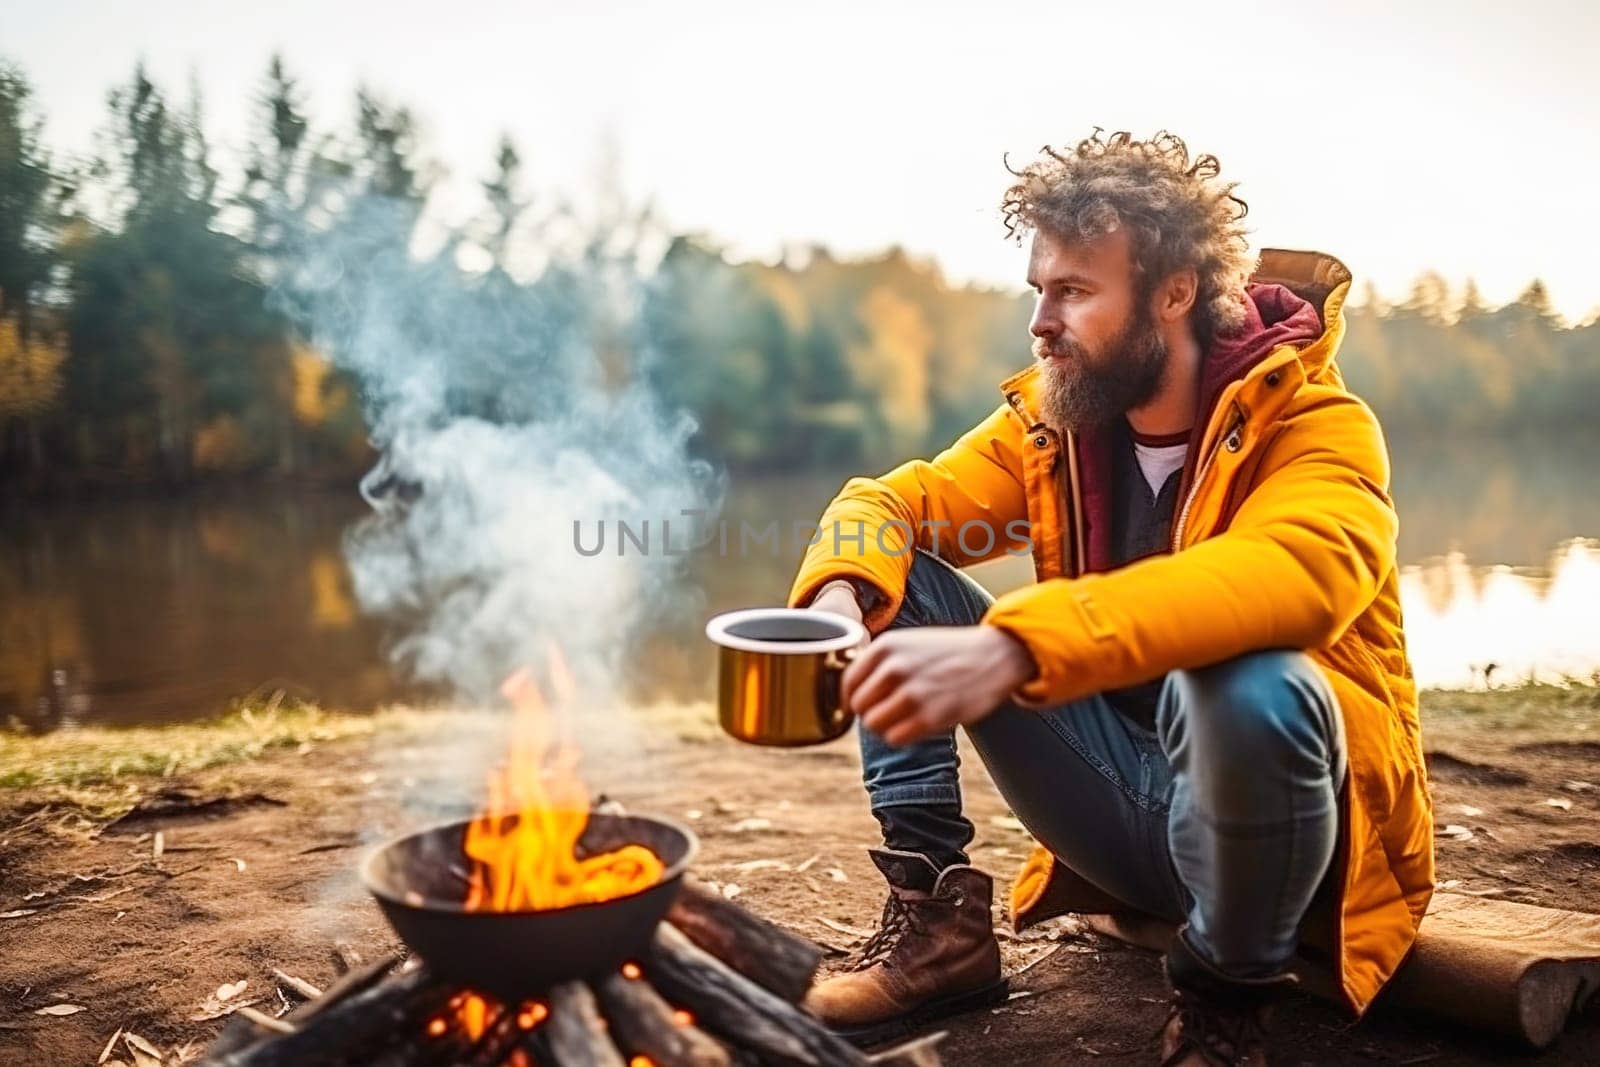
x=787, y=629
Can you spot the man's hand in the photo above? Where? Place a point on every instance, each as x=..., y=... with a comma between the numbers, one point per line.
x=840, y=598
x=910, y=683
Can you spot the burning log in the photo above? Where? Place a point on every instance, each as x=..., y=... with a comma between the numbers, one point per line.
x=679, y=1007
x=770, y=956
x=643, y=1024
x=363, y=1020
x=741, y=1011
x=497, y=1042
x=575, y=1032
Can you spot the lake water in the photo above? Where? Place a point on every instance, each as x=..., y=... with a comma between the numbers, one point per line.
x=142, y=610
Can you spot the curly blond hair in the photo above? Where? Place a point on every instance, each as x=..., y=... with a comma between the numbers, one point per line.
x=1178, y=213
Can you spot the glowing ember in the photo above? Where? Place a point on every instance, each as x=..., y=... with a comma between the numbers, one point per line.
x=630, y=971
x=523, y=845
x=531, y=1015
x=682, y=1018
x=473, y=1016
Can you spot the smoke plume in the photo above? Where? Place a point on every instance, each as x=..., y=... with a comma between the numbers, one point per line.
x=505, y=411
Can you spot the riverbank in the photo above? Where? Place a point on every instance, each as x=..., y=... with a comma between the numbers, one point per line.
x=134, y=887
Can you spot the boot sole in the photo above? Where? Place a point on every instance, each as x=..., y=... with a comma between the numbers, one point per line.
x=904, y=1025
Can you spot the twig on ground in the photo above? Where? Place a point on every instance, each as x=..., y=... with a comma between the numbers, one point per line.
x=265, y=1021
x=299, y=985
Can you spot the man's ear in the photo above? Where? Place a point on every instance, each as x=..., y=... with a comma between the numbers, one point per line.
x=1174, y=297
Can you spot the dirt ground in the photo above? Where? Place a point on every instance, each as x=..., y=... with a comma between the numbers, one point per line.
x=90, y=918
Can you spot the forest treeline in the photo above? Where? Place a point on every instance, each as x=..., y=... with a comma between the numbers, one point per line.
x=143, y=341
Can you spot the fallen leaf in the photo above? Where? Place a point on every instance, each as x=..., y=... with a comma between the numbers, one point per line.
x=106, y=1054
x=1573, y=786
x=807, y=865
x=144, y=1053
x=19, y=913
x=1469, y=811
x=1007, y=822
x=215, y=1009
x=694, y=813
x=158, y=845
x=749, y=825
x=228, y=992
x=61, y=1009
x=139, y=1044
x=1559, y=802
x=731, y=890
x=760, y=865
x=239, y=863
x=1456, y=833
x=836, y=874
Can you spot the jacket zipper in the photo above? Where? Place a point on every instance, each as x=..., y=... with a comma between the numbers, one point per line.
x=1234, y=425
x=1075, y=564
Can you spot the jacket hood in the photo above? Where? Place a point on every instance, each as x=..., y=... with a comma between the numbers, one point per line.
x=1293, y=298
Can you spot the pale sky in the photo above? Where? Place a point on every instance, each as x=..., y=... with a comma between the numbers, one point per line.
x=1461, y=137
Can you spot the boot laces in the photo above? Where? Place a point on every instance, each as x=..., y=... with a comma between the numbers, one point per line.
x=897, y=920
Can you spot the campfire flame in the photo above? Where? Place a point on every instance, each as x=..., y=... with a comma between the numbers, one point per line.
x=523, y=845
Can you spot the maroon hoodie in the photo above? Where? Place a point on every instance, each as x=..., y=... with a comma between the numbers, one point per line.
x=1274, y=316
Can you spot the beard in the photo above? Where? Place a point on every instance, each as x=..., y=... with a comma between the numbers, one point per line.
x=1084, y=389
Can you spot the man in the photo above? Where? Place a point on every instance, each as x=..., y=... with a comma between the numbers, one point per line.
x=1202, y=710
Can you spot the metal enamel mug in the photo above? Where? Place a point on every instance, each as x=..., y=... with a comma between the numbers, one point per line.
x=778, y=673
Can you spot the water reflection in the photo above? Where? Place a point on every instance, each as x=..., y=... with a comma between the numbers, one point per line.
x=151, y=610
x=1470, y=626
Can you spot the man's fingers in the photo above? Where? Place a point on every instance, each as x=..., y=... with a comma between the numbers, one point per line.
x=861, y=669
x=927, y=717
x=888, y=678
x=893, y=709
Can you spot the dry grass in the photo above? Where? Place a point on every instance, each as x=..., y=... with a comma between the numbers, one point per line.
x=102, y=770
x=1544, y=708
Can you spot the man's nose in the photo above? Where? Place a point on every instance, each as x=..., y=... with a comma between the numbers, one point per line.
x=1043, y=324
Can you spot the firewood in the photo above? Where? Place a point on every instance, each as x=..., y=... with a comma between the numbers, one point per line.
x=740, y=1011
x=240, y=1032
x=575, y=1031
x=358, y=1022
x=770, y=956
x=642, y=1024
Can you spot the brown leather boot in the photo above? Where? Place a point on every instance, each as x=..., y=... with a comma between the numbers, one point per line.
x=1216, y=1020
x=934, y=954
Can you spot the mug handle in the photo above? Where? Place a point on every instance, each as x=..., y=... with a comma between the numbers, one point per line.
x=831, y=680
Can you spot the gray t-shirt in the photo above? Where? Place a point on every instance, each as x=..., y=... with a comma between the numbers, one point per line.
x=1141, y=525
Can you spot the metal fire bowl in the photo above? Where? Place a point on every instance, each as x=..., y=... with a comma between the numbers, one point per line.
x=419, y=882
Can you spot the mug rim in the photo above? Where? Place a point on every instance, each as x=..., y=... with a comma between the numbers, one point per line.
x=717, y=631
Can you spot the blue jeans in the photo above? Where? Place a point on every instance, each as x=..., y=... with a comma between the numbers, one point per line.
x=1225, y=817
